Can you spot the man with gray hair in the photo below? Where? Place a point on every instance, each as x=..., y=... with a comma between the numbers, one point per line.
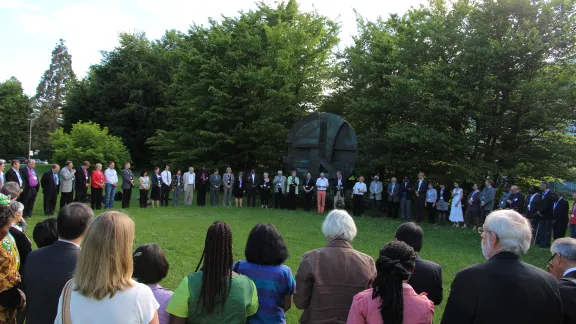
x=563, y=267
x=504, y=290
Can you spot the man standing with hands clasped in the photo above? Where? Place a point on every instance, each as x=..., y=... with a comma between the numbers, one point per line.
x=189, y=186
x=111, y=181
x=358, y=196
x=127, y=184
x=421, y=188
x=376, y=195
x=215, y=183
x=82, y=182
x=487, y=200
x=321, y=187
x=279, y=183
x=66, y=184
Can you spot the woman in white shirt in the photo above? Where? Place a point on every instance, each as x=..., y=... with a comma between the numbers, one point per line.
x=144, y=188
x=102, y=290
x=358, y=196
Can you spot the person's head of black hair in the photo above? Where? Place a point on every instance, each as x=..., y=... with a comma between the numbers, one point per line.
x=411, y=234
x=46, y=232
x=150, y=264
x=73, y=220
x=144, y=173
x=265, y=246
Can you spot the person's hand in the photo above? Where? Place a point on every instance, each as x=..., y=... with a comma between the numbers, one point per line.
x=73, y=170
x=482, y=203
x=509, y=201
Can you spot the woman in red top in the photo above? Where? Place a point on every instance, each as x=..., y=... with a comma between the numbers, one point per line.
x=573, y=217
x=98, y=181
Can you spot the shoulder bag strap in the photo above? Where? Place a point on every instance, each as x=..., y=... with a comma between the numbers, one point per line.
x=66, y=294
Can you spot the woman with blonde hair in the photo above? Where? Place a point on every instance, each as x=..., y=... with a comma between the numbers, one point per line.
x=102, y=290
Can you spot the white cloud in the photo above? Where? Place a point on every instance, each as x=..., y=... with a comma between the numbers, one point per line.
x=16, y=4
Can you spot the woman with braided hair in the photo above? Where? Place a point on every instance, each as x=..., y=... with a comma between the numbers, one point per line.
x=391, y=300
x=214, y=293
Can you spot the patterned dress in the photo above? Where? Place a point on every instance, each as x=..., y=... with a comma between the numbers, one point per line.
x=9, y=276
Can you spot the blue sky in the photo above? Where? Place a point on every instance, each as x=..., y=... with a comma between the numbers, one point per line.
x=30, y=29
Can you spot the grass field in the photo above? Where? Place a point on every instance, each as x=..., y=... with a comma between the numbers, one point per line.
x=180, y=231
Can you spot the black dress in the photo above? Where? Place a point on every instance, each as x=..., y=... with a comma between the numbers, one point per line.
x=265, y=191
x=239, y=188
x=156, y=190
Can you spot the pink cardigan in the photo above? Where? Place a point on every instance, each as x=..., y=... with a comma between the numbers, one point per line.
x=418, y=309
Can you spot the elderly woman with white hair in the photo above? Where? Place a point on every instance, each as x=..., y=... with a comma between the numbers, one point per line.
x=329, y=277
x=504, y=289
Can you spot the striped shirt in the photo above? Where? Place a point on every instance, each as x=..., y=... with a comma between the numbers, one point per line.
x=273, y=284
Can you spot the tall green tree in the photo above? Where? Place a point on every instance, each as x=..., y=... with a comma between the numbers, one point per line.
x=242, y=84
x=464, y=92
x=125, y=90
x=51, y=94
x=14, y=109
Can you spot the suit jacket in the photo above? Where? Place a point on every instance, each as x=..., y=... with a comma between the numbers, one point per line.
x=406, y=190
x=279, y=180
x=25, y=181
x=422, y=190
x=567, y=288
x=533, y=205
x=377, y=192
x=81, y=180
x=427, y=277
x=289, y=184
x=48, y=184
x=47, y=271
x=504, y=200
x=12, y=176
x=127, y=176
x=333, y=183
x=66, y=180
x=156, y=180
x=503, y=290
x=215, y=181
x=487, y=197
x=225, y=180
x=546, y=206
x=252, y=186
x=517, y=202
x=199, y=184
x=561, y=212
x=445, y=194
x=393, y=195
x=473, y=201
x=187, y=175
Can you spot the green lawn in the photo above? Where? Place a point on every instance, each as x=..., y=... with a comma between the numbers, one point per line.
x=180, y=231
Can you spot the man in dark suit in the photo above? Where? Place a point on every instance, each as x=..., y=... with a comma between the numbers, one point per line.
x=252, y=188
x=532, y=207
x=13, y=175
x=545, y=216
x=504, y=290
x=406, y=192
x=127, y=185
x=49, y=268
x=50, y=185
x=339, y=186
x=516, y=200
x=563, y=267
x=82, y=182
x=30, y=188
x=427, y=275
x=202, y=185
x=560, y=210
x=393, y=191
x=420, y=192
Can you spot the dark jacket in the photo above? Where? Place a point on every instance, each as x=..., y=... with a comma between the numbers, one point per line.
x=25, y=180
x=423, y=189
x=503, y=290
x=81, y=180
x=11, y=176
x=427, y=277
x=333, y=183
x=473, y=201
x=47, y=271
x=48, y=184
x=406, y=190
x=445, y=194
x=533, y=207
x=518, y=203
x=567, y=287
x=560, y=219
x=23, y=245
x=546, y=206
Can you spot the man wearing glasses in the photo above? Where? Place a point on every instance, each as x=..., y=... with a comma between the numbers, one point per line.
x=563, y=267
x=504, y=289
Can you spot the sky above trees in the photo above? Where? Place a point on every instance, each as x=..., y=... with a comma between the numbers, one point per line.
x=33, y=27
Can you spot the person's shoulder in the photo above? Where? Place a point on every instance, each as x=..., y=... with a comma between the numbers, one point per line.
x=363, y=296
x=537, y=272
x=428, y=263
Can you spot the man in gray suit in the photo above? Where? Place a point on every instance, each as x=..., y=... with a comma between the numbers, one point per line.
x=189, y=186
x=66, y=184
x=487, y=200
x=393, y=191
x=228, y=185
x=376, y=195
x=215, y=183
x=279, y=183
x=127, y=184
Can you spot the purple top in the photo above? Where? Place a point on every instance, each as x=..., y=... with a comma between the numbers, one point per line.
x=32, y=179
x=162, y=297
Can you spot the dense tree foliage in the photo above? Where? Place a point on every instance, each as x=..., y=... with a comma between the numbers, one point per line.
x=14, y=109
x=483, y=88
x=88, y=142
x=51, y=95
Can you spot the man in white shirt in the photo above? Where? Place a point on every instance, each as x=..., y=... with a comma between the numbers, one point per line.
x=321, y=187
x=111, y=181
x=166, y=177
x=358, y=197
x=189, y=186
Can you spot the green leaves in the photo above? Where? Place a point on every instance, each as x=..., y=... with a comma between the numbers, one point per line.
x=14, y=109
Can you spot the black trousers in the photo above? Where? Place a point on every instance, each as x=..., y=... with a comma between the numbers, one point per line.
x=420, y=207
x=66, y=198
x=50, y=203
x=201, y=198
x=251, y=197
x=560, y=228
x=307, y=200
x=165, y=194
x=544, y=233
x=278, y=199
x=81, y=194
x=143, y=198
x=29, y=201
x=375, y=207
x=291, y=203
x=264, y=194
x=126, y=196
x=483, y=214
x=96, y=201
x=358, y=202
x=393, y=209
x=431, y=212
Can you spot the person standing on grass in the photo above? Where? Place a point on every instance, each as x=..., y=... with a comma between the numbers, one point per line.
x=265, y=254
x=189, y=186
x=144, y=188
x=166, y=177
x=50, y=186
x=2, y=166
x=504, y=289
x=308, y=186
x=239, y=189
x=393, y=190
x=456, y=216
x=321, y=188
x=156, y=194
x=572, y=222
x=150, y=267
x=177, y=187
x=202, y=185
x=111, y=182
x=82, y=182
x=252, y=188
x=228, y=187
x=279, y=185
x=472, y=211
x=442, y=203
x=358, y=196
x=31, y=188
x=98, y=182
x=392, y=300
x=487, y=200
x=215, y=183
x=431, y=198
x=127, y=185
x=265, y=187
x=376, y=189
x=67, y=184
x=560, y=218
x=328, y=278
x=292, y=189
x=339, y=186
x=214, y=293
